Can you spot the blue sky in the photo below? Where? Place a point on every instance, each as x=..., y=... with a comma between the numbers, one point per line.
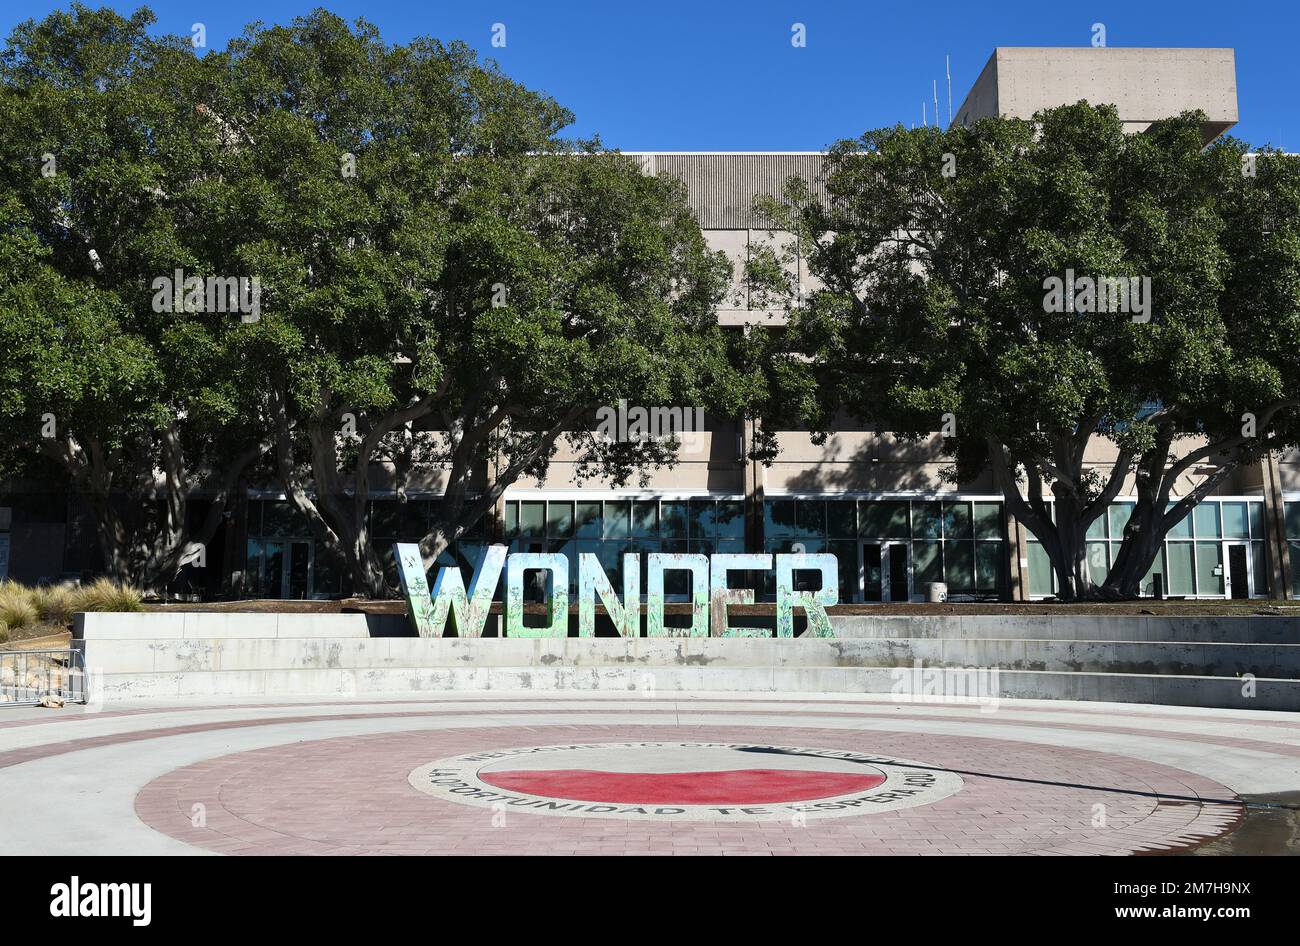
x=722, y=75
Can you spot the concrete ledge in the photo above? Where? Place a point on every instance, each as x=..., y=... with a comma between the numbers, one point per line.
x=218, y=625
x=1112, y=688
x=246, y=654
x=1207, y=629
x=192, y=655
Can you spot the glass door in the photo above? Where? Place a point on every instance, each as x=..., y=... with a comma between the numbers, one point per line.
x=873, y=587
x=1238, y=556
x=899, y=573
x=297, y=577
x=886, y=572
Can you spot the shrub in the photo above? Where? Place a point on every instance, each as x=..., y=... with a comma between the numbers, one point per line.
x=106, y=595
x=17, y=609
x=56, y=603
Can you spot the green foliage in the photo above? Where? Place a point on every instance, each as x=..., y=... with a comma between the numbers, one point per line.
x=935, y=302
x=106, y=157
x=432, y=255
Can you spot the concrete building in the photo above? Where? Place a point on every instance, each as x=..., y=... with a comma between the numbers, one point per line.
x=876, y=502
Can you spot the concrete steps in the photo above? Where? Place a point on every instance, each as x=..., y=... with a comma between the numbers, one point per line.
x=1228, y=630
x=1247, y=663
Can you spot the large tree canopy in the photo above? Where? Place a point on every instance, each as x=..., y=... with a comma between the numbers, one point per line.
x=104, y=170
x=443, y=281
x=938, y=250
x=446, y=281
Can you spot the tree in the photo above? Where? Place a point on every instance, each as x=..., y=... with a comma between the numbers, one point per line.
x=446, y=282
x=1061, y=289
x=105, y=168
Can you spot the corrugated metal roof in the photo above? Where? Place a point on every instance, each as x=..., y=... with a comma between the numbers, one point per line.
x=721, y=187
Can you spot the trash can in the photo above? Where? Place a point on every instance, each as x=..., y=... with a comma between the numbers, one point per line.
x=936, y=592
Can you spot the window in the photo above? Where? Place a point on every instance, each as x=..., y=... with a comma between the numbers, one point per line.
x=958, y=542
x=1192, y=561
x=612, y=528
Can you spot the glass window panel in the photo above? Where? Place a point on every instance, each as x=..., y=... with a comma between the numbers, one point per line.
x=1119, y=514
x=1097, y=528
x=1293, y=520
x=611, y=559
x=704, y=546
x=1260, y=566
x=988, y=566
x=1178, y=556
x=731, y=519
x=884, y=520
x=785, y=546
x=1148, y=581
x=672, y=520
x=1040, y=571
x=988, y=520
x=1235, y=524
x=810, y=514
x=959, y=566
x=677, y=584
x=385, y=518
x=532, y=519
x=512, y=520
x=841, y=518
x=927, y=521
x=1206, y=518
x=618, y=519
x=1183, y=528
x=778, y=518
x=415, y=519
x=731, y=546
x=253, y=563
x=1256, y=513
x=1209, y=560
x=956, y=521
x=645, y=518
x=586, y=520
x=846, y=555
x=255, y=517
x=273, y=572
x=280, y=518
x=703, y=519
x=328, y=579
x=559, y=520
x=927, y=565
x=1295, y=570
x=569, y=549
x=1098, y=561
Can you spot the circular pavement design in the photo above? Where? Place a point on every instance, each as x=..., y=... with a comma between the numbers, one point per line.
x=604, y=774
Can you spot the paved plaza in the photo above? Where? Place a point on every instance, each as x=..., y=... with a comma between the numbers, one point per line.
x=497, y=773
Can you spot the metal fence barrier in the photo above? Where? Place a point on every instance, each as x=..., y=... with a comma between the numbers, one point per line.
x=28, y=676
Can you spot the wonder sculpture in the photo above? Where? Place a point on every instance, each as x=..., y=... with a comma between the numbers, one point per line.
x=709, y=596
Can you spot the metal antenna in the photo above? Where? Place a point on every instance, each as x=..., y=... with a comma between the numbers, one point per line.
x=947, y=67
x=924, y=123
x=934, y=87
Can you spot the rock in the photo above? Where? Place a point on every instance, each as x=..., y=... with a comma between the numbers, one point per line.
x=50, y=701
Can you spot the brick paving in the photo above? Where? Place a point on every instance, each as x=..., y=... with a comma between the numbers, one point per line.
x=350, y=795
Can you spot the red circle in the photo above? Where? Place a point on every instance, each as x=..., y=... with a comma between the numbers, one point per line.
x=725, y=787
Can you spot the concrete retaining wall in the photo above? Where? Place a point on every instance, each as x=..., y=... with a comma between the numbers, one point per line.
x=199, y=655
